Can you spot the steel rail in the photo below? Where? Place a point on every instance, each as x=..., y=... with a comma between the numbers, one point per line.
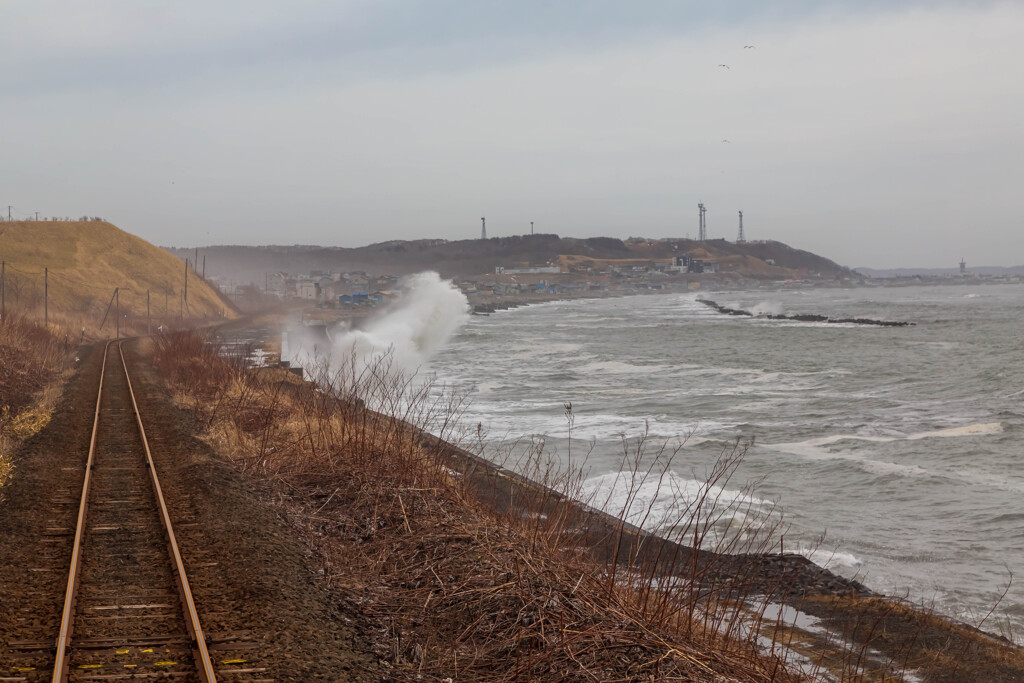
x=203, y=663
x=60, y=669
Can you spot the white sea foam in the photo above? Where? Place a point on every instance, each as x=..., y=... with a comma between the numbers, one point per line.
x=818, y=449
x=619, y=368
x=978, y=429
x=830, y=558
x=662, y=503
x=814, y=449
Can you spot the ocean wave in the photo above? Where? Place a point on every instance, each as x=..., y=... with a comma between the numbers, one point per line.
x=830, y=559
x=620, y=368
x=815, y=448
x=665, y=504
x=978, y=429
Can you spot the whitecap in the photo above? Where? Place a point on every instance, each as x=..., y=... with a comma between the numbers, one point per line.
x=977, y=429
x=620, y=368
x=829, y=559
x=659, y=504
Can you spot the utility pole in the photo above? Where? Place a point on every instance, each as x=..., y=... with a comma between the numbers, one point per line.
x=3, y=291
x=185, y=293
x=46, y=297
x=204, y=266
x=117, y=312
x=149, y=320
x=37, y=216
x=702, y=231
x=8, y=212
x=483, y=228
x=109, y=306
x=531, y=227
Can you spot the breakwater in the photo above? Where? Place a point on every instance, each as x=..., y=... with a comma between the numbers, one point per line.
x=803, y=317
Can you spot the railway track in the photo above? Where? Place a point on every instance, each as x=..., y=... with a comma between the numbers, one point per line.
x=127, y=608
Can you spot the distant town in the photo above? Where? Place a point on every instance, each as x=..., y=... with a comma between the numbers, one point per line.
x=581, y=279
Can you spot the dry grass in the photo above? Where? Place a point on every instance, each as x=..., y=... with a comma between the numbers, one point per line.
x=86, y=261
x=32, y=362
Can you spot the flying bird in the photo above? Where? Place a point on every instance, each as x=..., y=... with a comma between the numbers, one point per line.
x=724, y=65
x=727, y=141
x=749, y=47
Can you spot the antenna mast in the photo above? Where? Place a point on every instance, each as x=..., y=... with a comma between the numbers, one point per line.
x=741, y=239
x=483, y=228
x=702, y=232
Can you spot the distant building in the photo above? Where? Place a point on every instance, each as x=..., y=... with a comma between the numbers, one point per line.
x=355, y=278
x=686, y=264
x=681, y=263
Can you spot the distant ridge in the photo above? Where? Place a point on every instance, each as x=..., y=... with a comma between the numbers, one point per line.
x=466, y=258
x=86, y=261
x=938, y=272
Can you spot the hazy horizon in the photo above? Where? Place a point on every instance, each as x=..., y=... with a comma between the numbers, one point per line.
x=878, y=135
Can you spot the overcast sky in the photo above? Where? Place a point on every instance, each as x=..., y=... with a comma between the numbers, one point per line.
x=875, y=133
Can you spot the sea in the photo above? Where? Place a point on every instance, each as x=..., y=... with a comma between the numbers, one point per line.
x=892, y=455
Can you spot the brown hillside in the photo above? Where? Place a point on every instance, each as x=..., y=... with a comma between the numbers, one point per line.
x=468, y=258
x=86, y=261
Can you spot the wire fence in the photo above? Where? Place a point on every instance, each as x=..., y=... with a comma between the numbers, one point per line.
x=60, y=298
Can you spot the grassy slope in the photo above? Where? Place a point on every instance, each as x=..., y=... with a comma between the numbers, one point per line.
x=87, y=260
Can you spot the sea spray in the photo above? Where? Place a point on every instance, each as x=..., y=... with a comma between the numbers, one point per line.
x=402, y=336
x=768, y=308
